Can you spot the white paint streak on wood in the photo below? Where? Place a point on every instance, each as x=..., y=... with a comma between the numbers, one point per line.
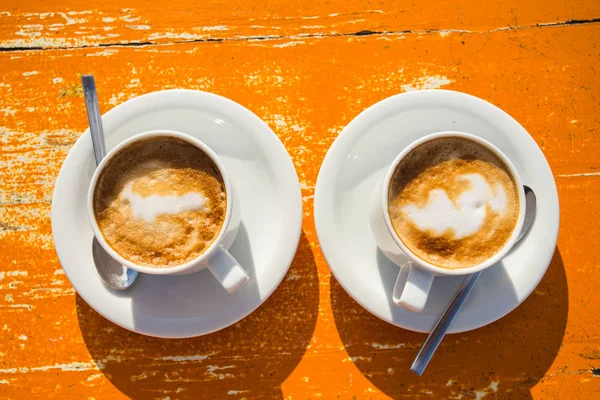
x=212, y=368
x=139, y=27
x=215, y=28
x=129, y=18
x=79, y=12
x=357, y=358
x=73, y=366
x=426, y=82
x=42, y=293
x=78, y=366
x=171, y=35
x=94, y=377
x=198, y=357
x=8, y=111
x=103, y=53
x=69, y=21
x=387, y=346
x=30, y=30
x=584, y=174
x=28, y=307
x=492, y=388
x=4, y=274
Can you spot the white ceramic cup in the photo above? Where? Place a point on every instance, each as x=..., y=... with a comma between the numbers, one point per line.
x=216, y=258
x=416, y=275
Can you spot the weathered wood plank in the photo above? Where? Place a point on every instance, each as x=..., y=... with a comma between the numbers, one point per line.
x=77, y=23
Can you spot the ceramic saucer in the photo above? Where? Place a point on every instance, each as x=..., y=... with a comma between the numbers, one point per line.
x=265, y=182
x=358, y=159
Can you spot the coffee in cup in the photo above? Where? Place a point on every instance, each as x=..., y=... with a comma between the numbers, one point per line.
x=453, y=202
x=160, y=202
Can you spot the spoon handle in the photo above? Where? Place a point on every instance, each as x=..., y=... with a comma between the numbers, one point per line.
x=441, y=326
x=124, y=277
x=93, y=113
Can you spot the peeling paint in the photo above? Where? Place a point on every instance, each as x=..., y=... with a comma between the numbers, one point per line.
x=388, y=346
x=8, y=111
x=288, y=44
x=198, y=357
x=427, y=82
x=139, y=27
x=104, y=53
x=583, y=174
x=215, y=28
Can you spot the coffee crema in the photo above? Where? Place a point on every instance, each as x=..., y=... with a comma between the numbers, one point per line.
x=160, y=202
x=453, y=202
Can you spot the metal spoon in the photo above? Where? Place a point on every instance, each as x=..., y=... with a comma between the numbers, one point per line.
x=441, y=326
x=113, y=276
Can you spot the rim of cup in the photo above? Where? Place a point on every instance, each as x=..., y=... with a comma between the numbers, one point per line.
x=503, y=250
x=160, y=270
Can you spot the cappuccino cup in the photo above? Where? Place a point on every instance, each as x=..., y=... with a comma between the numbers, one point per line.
x=162, y=203
x=451, y=203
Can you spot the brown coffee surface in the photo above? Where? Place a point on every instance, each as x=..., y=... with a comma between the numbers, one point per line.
x=160, y=202
x=453, y=202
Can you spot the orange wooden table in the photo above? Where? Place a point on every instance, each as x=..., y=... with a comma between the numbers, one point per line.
x=306, y=68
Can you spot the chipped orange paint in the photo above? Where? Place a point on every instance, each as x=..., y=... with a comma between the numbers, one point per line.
x=307, y=78
x=68, y=23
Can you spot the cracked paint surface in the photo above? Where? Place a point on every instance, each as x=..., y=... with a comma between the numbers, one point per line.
x=306, y=69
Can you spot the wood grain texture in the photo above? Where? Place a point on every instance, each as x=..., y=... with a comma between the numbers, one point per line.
x=310, y=339
x=77, y=23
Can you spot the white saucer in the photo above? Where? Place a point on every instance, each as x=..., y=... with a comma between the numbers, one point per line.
x=359, y=157
x=265, y=182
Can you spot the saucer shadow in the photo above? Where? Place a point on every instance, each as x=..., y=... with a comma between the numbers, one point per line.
x=250, y=358
x=504, y=359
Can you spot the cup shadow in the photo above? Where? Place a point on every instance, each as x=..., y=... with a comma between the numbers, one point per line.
x=505, y=359
x=250, y=358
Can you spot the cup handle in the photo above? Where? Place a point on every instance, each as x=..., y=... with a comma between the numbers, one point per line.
x=412, y=287
x=227, y=270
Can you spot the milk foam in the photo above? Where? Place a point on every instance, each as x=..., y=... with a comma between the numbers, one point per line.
x=466, y=216
x=151, y=206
